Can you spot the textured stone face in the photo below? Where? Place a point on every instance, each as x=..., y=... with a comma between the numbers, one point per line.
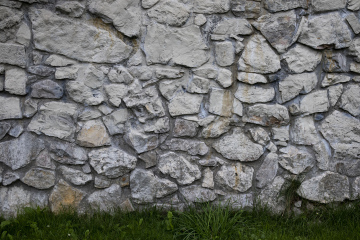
x=253, y=94
x=267, y=115
x=293, y=85
x=211, y=6
x=15, y=81
x=301, y=58
x=169, y=12
x=105, y=200
x=236, y=177
x=197, y=194
x=267, y=171
x=283, y=5
x=93, y=134
x=10, y=108
x=296, y=160
x=12, y=54
x=39, y=178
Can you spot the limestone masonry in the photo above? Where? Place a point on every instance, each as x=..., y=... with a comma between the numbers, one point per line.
x=124, y=103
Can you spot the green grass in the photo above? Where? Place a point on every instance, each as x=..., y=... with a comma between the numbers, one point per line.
x=200, y=222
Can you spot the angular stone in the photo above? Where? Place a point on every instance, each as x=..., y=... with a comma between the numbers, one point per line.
x=283, y=5
x=334, y=62
x=91, y=76
x=164, y=73
x=246, y=8
x=150, y=158
x=81, y=93
x=237, y=146
x=301, y=58
x=40, y=70
x=296, y=159
x=74, y=9
x=59, y=61
x=295, y=84
x=207, y=71
x=235, y=177
x=9, y=17
x=220, y=102
x=211, y=6
x=179, y=168
x=354, y=23
x=315, y=102
x=355, y=193
x=142, y=72
x=89, y=114
x=335, y=93
x=15, y=81
x=74, y=176
x=325, y=30
x=208, y=179
x=280, y=29
x=93, y=134
x=165, y=187
x=4, y=129
x=169, y=12
x=281, y=134
x=259, y=135
x=55, y=119
x=303, y=131
x=198, y=85
x=267, y=171
x=270, y=196
x=102, y=182
x=258, y=57
x=64, y=196
x=23, y=35
x=184, y=103
x=350, y=99
x=10, y=177
x=215, y=129
x=237, y=107
x=105, y=200
x=46, y=89
x=184, y=46
x=67, y=153
x=185, y=128
x=143, y=186
x=10, y=3
x=115, y=122
x=111, y=162
x=159, y=125
x=14, y=198
x=20, y=152
x=13, y=54
x=39, y=178
x=325, y=188
x=70, y=72
x=43, y=160
x=353, y=5
x=225, y=78
x=238, y=201
x=193, y=147
x=267, y=115
x=327, y=5
x=120, y=74
x=355, y=67
x=251, y=78
x=253, y=94
x=82, y=42
x=224, y=53
x=233, y=26
x=140, y=141
x=197, y=194
x=332, y=79
x=116, y=92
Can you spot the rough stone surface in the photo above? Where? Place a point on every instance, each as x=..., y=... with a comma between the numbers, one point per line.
x=251, y=78
x=254, y=94
x=211, y=6
x=295, y=84
x=267, y=115
x=185, y=103
x=15, y=81
x=224, y=53
x=208, y=179
x=67, y=153
x=314, y=102
x=185, y=128
x=4, y=129
x=267, y=171
x=74, y=176
x=332, y=79
x=220, y=102
x=10, y=108
x=327, y=5
x=105, y=200
x=350, y=99
x=47, y=89
x=13, y=54
x=74, y=9
x=169, y=12
x=296, y=159
x=236, y=177
x=283, y=5
x=270, y=195
x=303, y=131
x=301, y=58
x=93, y=134
x=197, y=194
x=39, y=178
x=193, y=147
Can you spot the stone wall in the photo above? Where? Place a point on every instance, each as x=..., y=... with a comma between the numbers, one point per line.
x=121, y=103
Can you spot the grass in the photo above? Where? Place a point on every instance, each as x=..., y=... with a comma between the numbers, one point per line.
x=203, y=221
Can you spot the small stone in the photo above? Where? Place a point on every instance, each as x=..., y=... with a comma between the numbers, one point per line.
x=224, y=78
x=208, y=179
x=140, y=141
x=332, y=79
x=238, y=201
x=350, y=99
x=125, y=180
x=185, y=103
x=89, y=114
x=111, y=162
x=126, y=206
x=11, y=4
x=15, y=81
x=120, y=74
x=325, y=188
x=200, y=19
x=334, y=62
x=315, y=102
x=237, y=107
x=59, y=61
x=143, y=186
x=293, y=85
x=136, y=59
x=211, y=6
x=150, y=158
x=67, y=153
x=198, y=85
x=115, y=93
x=235, y=177
x=39, y=178
x=207, y=71
x=74, y=176
x=251, y=78
x=224, y=53
x=142, y=73
x=179, y=168
x=74, y=9
x=40, y=70
x=169, y=12
x=327, y=5
x=66, y=72
x=296, y=159
x=81, y=93
x=159, y=125
x=185, y=128
x=267, y=171
x=220, y=102
x=303, y=131
x=245, y=8
x=10, y=177
x=355, y=67
x=13, y=54
x=102, y=182
x=259, y=135
x=267, y=115
x=15, y=131
x=301, y=58
x=115, y=122
x=335, y=93
x=4, y=129
x=43, y=160
x=355, y=189
x=354, y=23
x=197, y=194
x=237, y=146
x=47, y=89
x=93, y=134
x=253, y=94
x=164, y=187
x=64, y=196
x=215, y=129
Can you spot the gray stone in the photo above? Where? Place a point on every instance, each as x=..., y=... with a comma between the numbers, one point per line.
x=197, y=194
x=89, y=114
x=353, y=5
x=267, y=115
x=4, y=129
x=332, y=79
x=323, y=154
x=293, y=85
x=211, y=161
x=198, y=85
x=10, y=177
x=115, y=122
x=9, y=17
x=140, y=141
x=301, y=58
x=105, y=200
x=39, y=178
x=314, y=102
x=355, y=190
x=40, y=70
x=170, y=89
x=193, y=147
x=16, y=131
x=148, y=3
x=206, y=71
x=211, y=6
x=355, y=67
x=270, y=196
x=105, y=109
x=43, y=160
x=150, y=158
x=81, y=93
x=179, y=168
x=246, y=8
x=111, y=162
x=143, y=186
x=74, y=9
x=116, y=92
x=334, y=62
x=237, y=146
x=59, y=61
x=20, y=152
x=237, y=201
x=169, y=12
x=237, y=107
x=259, y=135
x=74, y=176
x=55, y=119
x=251, y=78
x=267, y=171
x=354, y=49
x=324, y=30
x=10, y=3
x=281, y=134
x=283, y=5
x=334, y=94
x=70, y=72
x=325, y=188
x=46, y=89
x=142, y=72
x=185, y=128
x=126, y=206
x=280, y=29
x=185, y=103
x=83, y=41
x=15, y=198
x=354, y=23
x=296, y=159
x=120, y=74
x=136, y=59
x=208, y=179
x=233, y=26
x=224, y=53
x=327, y=5
x=164, y=187
x=215, y=129
x=303, y=131
x=350, y=99
x=184, y=46
x=91, y=76
x=93, y=134
x=224, y=78
x=258, y=57
x=253, y=94
x=235, y=177
x=15, y=81
x=13, y=54
x=102, y=182
x=200, y=19
x=220, y=102
x=23, y=35
x=159, y=125
x=67, y=153
x=162, y=73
